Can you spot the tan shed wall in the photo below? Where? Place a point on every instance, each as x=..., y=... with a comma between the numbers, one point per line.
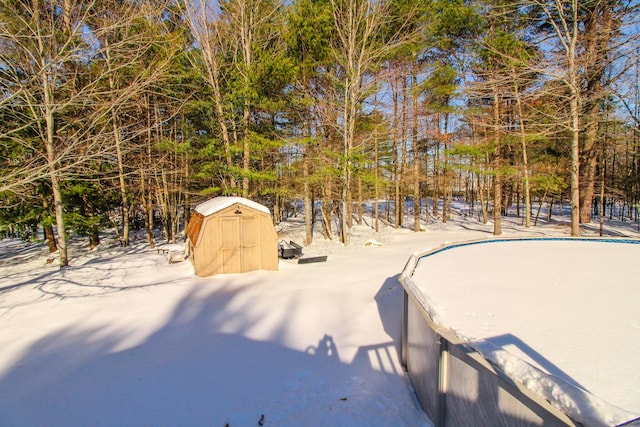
x=235, y=243
x=269, y=239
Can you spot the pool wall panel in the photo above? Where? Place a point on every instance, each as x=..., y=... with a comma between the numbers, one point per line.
x=454, y=384
x=422, y=360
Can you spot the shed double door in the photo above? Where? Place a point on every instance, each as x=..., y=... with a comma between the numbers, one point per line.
x=240, y=236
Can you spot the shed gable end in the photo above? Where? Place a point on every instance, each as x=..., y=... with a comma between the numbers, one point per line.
x=194, y=227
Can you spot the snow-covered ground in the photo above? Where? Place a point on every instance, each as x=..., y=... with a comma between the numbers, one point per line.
x=121, y=337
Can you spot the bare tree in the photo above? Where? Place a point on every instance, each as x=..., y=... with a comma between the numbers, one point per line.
x=582, y=42
x=253, y=30
x=360, y=45
x=211, y=34
x=126, y=46
x=52, y=54
x=608, y=43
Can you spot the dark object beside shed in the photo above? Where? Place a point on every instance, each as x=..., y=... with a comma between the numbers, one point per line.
x=289, y=250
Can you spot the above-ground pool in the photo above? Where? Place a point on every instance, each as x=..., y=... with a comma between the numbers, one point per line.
x=494, y=330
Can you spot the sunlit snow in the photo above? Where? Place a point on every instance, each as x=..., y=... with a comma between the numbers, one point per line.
x=122, y=337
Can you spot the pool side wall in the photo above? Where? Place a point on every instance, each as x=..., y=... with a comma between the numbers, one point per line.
x=455, y=384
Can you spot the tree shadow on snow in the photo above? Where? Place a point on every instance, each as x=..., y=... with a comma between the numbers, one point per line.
x=200, y=368
x=86, y=277
x=389, y=301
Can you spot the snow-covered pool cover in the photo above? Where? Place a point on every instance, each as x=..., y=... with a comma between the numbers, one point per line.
x=219, y=203
x=560, y=315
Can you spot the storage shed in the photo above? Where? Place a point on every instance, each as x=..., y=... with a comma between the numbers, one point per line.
x=231, y=235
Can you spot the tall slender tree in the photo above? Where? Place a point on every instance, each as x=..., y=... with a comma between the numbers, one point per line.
x=360, y=45
x=581, y=40
x=53, y=57
x=213, y=40
x=308, y=29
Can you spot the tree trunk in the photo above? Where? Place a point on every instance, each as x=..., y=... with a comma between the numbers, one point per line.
x=49, y=143
x=246, y=150
x=360, y=201
x=417, y=203
x=497, y=205
x=376, y=184
x=497, y=180
x=147, y=206
x=436, y=178
x=123, y=185
x=206, y=29
x=94, y=239
x=349, y=117
x=587, y=186
x=119, y=155
x=50, y=238
x=588, y=153
x=446, y=173
x=525, y=161
x=327, y=208
x=53, y=172
x=599, y=29
x=483, y=205
x=48, y=228
x=308, y=207
x=575, y=166
x=602, y=187
x=146, y=193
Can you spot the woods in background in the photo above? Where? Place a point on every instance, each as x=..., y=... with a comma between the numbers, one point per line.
x=127, y=113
